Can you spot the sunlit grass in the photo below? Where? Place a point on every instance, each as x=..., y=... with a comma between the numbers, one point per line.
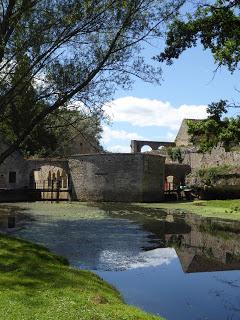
x=36, y=284
x=229, y=209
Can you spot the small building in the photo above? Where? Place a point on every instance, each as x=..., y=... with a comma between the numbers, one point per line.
x=13, y=170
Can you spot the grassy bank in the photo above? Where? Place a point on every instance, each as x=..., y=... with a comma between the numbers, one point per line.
x=36, y=284
x=229, y=209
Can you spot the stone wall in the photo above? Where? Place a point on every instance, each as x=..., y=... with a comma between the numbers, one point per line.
x=153, y=178
x=14, y=165
x=183, y=138
x=179, y=171
x=117, y=177
x=218, y=156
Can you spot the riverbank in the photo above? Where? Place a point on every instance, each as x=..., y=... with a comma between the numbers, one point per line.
x=226, y=209
x=36, y=284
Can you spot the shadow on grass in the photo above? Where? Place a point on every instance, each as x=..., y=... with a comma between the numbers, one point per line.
x=135, y=208
x=28, y=269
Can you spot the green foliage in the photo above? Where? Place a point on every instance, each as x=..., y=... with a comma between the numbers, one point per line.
x=216, y=25
x=175, y=154
x=215, y=130
x=73, y=50
x=205, y=208
x=209, y=176
x=53, y=135
x=40, y=285
x=217, y=109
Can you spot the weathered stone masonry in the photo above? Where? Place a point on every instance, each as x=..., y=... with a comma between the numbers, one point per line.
x=117, y=177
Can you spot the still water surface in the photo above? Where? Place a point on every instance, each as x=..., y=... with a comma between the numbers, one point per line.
x=182, y=267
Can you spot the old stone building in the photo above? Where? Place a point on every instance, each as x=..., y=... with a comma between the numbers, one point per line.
x=183, y=138
x=88, y=177
x=136, y=177
x=80, y=144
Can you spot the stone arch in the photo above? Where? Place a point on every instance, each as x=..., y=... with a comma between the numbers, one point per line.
x=48, y=176
x=136, y=145
x=146, y=148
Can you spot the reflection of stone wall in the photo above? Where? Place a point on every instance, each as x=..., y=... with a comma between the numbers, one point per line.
x=209, y=246
x=117, y=177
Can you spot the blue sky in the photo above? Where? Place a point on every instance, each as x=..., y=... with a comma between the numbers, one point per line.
x=150, y=112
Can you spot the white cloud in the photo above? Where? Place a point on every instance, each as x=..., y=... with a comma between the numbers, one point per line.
x=155, y=258
x=109, y=134
x=119, y=148
x=123, y=260
x=147, y=112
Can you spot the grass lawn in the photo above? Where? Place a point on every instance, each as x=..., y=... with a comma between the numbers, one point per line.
x=36, y=284
x=229, y=209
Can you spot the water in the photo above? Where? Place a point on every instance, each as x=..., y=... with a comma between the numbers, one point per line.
x=182, y=267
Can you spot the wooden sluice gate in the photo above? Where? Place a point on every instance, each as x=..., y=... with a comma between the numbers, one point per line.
x=52, y=190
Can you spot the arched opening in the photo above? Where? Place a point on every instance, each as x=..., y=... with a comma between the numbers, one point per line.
x=49, y=179
x=35, y=181
x=64, y=180
x=171, y=183
x=58, y=175
x=146, y=148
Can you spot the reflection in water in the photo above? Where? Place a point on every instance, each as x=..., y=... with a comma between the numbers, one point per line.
x=208, y=244
x=11, y=221
x=158, y=261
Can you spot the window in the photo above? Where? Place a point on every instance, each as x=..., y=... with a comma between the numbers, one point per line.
x=12, y=177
